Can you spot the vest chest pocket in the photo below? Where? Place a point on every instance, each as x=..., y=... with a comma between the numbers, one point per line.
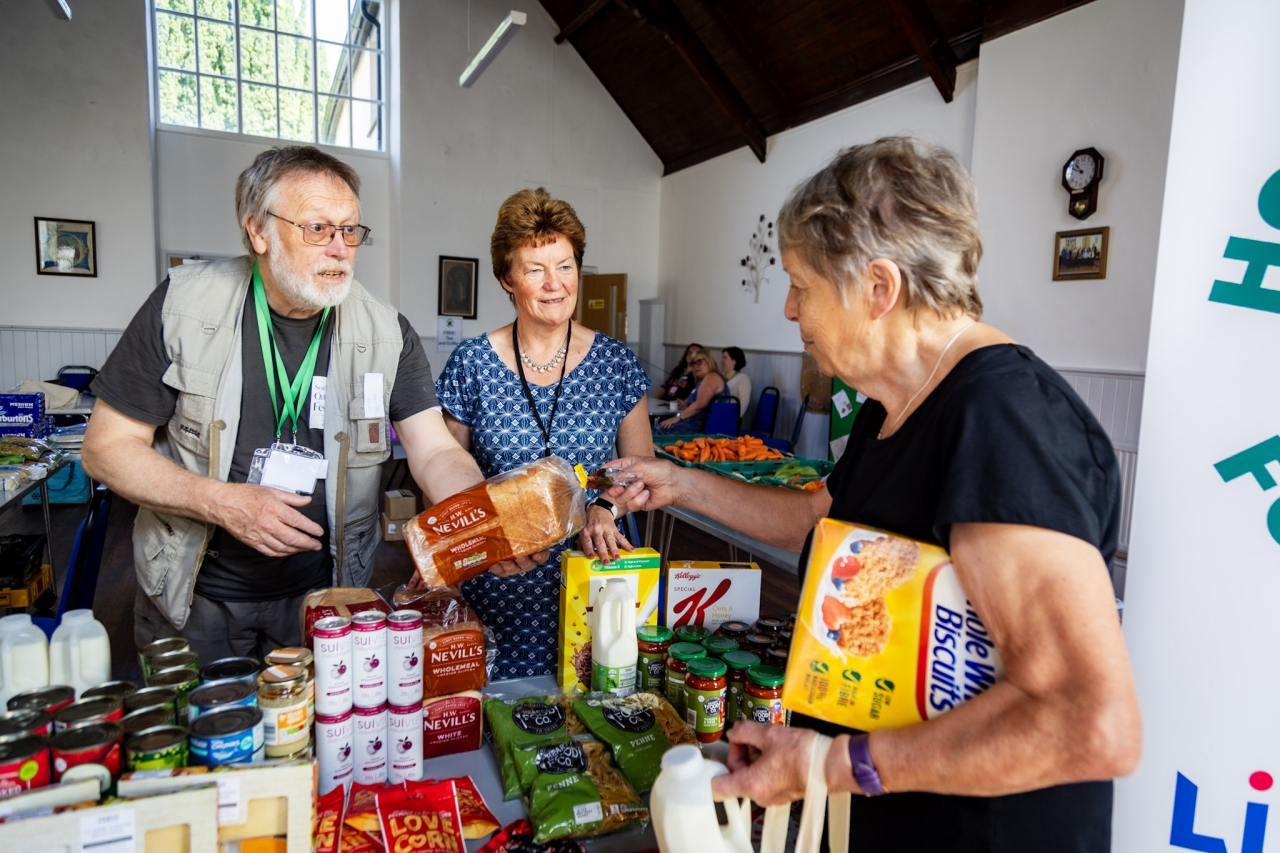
x=370, y=433
x=193, y=413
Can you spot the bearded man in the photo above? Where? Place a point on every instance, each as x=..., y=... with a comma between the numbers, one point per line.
x=245, y=411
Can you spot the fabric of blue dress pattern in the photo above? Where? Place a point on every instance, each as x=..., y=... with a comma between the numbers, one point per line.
x=483, y=393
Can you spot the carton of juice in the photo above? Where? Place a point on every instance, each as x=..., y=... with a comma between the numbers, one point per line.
x=885, y=636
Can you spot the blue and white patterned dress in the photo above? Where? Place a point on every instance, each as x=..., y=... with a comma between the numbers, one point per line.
x=483, y=393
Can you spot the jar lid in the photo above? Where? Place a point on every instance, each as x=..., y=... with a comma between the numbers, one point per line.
x=654, y=634
x=719, y=645
x=766, y=676
x=740, y=659
x=692, y=633
x=707, y=668
x=281, y=674
x=687, y=651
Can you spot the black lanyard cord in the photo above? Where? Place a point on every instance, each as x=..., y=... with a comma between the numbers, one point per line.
x=528, y=394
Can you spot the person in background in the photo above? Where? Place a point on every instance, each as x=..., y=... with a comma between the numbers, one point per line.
x=680, y=383
x=692, y=417
x=737, y=383
x=539, y=386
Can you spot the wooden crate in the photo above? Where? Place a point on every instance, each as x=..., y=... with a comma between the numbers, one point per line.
x=26, y=595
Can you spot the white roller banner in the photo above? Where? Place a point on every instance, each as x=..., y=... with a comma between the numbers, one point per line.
x=1202, y=612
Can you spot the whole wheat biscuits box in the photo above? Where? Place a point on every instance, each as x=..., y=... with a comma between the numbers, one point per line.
x=885, y=636
x=581, y=579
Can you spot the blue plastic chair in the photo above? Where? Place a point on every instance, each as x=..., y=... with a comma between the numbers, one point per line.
x=789, y=446
x=81, y=581
x=766, y=415
x=723, y=415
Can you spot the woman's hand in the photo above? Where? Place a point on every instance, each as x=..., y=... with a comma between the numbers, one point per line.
x=600, y=537
x=669, y=422
x=767, y=764
x=519, y=565
x=682, y=404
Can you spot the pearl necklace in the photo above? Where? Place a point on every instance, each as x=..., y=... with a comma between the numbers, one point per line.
x=543, y=368
x=941, y=356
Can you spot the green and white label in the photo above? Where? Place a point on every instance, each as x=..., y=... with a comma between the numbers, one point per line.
x=704, y=709
x=675, y=690
x=653, y=670
x=619, y=680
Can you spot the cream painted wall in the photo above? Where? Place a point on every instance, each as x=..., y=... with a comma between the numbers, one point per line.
x=1040, y=99
x=76, y=143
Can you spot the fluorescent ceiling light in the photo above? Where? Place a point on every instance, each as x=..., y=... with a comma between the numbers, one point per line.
x=60, y=9
x=503, y=34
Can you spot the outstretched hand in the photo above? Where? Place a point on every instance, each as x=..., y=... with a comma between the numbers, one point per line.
x=661, y=483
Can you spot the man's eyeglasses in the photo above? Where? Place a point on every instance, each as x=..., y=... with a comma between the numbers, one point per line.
x=321, y=234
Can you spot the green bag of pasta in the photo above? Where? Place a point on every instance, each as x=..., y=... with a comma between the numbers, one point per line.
x=530, y=721
x=633, y=730
x=575, y=791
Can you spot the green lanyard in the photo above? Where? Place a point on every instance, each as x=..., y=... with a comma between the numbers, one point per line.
x=292, y=392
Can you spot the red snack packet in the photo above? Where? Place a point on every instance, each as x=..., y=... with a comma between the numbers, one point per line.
x=424, y=820
x=355, y=841
x=325, y=831
x=362, y=807
x=477, y=820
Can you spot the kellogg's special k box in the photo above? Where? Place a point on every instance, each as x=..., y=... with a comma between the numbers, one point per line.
x=700, y=592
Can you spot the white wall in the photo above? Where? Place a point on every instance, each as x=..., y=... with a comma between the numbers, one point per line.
x=75, y=144
x=1101, y=75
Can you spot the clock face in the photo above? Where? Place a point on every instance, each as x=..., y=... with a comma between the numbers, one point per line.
x=1080, y=171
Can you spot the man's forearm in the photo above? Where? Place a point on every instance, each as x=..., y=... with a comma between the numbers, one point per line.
x=139, y=473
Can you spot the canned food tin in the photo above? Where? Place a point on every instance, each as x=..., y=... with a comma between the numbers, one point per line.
x=333, y=666
x=173, y=660
x=120, y=689
x=157, y=748
x=24, y=764
x=93, y=743
x=334, y=738
x=20, y=724
x=404, y=658
x=221, y=694
x=231, y=735
x=101, y=709
x=49, y=699
x=369, y=658
x=160, y=647
x=404, y=739
x=181, y=681
x=152, y=697
x=147, y=718
x=371, y=745
x=226, y=669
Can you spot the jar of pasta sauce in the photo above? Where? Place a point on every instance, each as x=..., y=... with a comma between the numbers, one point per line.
x=777, y=656
x=717, y=646
x=738, y=663
x=678, y=657
x=734, y=630
x=763, y=701
x=770, y=625
x=758, y=643
x=692, y=634
x=705, y=690
x=653, y=642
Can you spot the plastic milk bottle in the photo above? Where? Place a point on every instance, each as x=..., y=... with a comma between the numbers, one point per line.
x=24, y=656
x=80, y=653
x=613, y=639
x=684, y=814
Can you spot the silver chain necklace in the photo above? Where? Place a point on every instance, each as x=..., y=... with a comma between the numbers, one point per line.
x=941, y=356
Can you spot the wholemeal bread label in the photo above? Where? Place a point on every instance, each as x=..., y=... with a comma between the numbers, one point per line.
x=885, y=635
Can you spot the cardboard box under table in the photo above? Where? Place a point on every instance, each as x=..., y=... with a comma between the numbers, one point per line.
x=581, y=579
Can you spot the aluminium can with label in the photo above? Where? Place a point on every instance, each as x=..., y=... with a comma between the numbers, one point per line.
x=149, y=652
x=51, y=699
x=221, y=694
x=188, y=660
x=369, y=658
x=157, y=748
x=24, y=765
x=230, y=669
x=404, y=740
x=151, y=697
x=371, y=745
x=404, y=658
x=232, y=735
x=19, y=724
x=100, y=709
x=147, y=718
x=120, y=689
x=181, y=680
x=92, y=743
x=334, y=678
x=335, y=741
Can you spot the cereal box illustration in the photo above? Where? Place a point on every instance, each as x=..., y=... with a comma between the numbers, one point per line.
x=706, y=593
x=581, y=579
x=885, y=636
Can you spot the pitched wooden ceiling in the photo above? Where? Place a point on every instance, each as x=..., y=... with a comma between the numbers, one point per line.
x=699, y=78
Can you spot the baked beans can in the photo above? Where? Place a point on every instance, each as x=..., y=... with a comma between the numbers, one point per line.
x=100, y=709
x=20, y=724
x=158, y=748
x=152, y=697
x=93, y=743
x=404, y=658
x=369, y=658
x=333, y=666
x=181, y=680
x=49, y=699
x=230, y=669
x=230, y=735
x=24, y=765
x=221, y=694
x=335, y=742
x=151, y=651
x=119, y=689
x=370, y=745
x=404, y=739
x=147, y=718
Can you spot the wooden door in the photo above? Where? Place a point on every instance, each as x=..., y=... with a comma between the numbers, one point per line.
x=602, y=304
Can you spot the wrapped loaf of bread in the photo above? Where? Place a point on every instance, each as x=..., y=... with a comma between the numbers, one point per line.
x=515, y=514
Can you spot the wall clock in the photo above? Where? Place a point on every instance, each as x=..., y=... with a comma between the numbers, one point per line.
x=1080, y=178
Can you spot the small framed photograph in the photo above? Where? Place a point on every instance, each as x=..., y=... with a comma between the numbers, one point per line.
x=66, y=247
x=1081, y=254
x=458, y=287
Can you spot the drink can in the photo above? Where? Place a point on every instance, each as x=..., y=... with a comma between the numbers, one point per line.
x=100, y=709
x=230, y=735
x=49, y=699
x=404, y=740
x=334, y=741
x=230, y=669
x=24, y=765
x=158, y=648
x=404, y=658
x=181, y=680
x=92, y=743
x=152, y=697
x=333, y=666
x=369, y=658
x=120, y=689
x=221, y=694
x=147, y=718
x=157, y=748
x=370, y=745
x=19, y=724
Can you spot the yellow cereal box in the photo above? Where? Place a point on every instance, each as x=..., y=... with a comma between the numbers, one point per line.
x=581, y=578
x=885, y=637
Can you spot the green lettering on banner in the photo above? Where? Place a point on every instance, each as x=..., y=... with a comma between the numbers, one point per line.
x=1254, y=461
x=1259, y=255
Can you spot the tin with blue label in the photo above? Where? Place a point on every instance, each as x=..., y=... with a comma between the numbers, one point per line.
x=228, y=735
x=231, y=669
x=228, y=693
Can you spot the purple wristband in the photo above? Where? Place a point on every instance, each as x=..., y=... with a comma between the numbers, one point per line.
x=864, y=771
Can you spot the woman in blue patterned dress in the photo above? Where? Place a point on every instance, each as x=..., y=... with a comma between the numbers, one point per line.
x=543, y=385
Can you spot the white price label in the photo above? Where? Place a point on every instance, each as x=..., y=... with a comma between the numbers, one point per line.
x=103, y=831
x=230, y=811
x=373, y=405
x=587, y=813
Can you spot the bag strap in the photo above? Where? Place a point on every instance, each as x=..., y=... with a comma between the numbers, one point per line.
x=773, y=838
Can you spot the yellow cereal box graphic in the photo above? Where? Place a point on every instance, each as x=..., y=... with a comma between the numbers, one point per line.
x=885, y=636
x=581, y=579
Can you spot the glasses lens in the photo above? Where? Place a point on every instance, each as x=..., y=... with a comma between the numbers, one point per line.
x=355, y=235
x=317, y=233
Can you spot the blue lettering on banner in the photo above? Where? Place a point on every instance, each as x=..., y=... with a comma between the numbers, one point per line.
x=1254, y=460
x=1182, y=828
x=1259, y=255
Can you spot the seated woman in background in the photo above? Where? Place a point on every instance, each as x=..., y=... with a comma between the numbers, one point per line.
x=692, y=417
x=737, y=383
x=680, y=383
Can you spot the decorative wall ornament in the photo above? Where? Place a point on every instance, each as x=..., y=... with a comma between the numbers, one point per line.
x=761, y=256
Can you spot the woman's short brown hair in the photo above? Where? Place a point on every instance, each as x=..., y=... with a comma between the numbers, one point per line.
x=533, y=218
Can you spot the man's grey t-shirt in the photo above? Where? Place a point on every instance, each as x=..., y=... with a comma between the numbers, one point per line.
x=132, y=382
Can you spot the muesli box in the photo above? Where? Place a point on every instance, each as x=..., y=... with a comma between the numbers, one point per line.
x=581, y=579
x=885, y=636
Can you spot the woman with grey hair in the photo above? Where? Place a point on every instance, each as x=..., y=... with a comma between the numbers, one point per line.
x=967, y=441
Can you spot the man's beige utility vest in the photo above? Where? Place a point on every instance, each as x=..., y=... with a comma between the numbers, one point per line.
x=202, y=321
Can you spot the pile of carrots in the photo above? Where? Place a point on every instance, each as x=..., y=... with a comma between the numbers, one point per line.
x=746, y=448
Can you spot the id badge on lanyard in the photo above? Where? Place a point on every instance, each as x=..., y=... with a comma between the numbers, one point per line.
x=288, y=467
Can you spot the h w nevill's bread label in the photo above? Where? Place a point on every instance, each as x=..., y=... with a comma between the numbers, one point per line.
x=885, y=636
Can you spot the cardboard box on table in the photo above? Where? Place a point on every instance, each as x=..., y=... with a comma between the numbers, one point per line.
x=700, y=592
x=581, y=579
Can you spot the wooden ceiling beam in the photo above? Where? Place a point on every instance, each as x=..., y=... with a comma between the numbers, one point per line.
x=739, y=44
x=583, y=17
x=935, y=52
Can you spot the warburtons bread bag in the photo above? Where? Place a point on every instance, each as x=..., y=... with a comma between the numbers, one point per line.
x=515, y=514
x=885, y=636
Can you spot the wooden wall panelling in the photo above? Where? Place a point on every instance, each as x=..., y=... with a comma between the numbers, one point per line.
x=37, y=353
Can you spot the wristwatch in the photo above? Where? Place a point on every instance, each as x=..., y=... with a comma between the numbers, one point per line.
x=864, y=770
x=609, y=505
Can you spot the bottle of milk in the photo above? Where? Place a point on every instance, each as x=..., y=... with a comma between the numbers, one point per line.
x=614, y=651
x=684, y=813
x=24, y=656
x=79, y=653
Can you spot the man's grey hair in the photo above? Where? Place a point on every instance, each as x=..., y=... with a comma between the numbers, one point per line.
x=256, y=187
x=896, y=198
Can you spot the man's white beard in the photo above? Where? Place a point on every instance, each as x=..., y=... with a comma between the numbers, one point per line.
x=301, y=289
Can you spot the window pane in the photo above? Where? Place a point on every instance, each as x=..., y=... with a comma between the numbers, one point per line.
x=257, y=56
x=364, y=74
x=295, y=62
x=335, y=77
x=256, y=13
x=217, y=104
x=333, y=20
x=178, y=98
x=364, y=33
x=217, y=49
x=220, y=9
x=294, y=16
x=175, y=5
x=335, y=121
x=297, y=116
x=366, y=125
x=259, y=110
x=176, y=41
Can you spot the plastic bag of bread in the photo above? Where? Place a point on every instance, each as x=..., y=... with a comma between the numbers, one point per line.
x=336, y=601
x=515, y=514
x=457, y=650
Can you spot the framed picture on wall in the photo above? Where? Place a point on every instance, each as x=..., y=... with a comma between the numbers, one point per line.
x=66, y=247
x=458, y=287
x=1080, y=254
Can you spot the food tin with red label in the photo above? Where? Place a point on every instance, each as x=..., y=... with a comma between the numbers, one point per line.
x=147, y=718
x=24, y=764
x=20, y=724
x=51, y=699
x=92, y=743
x=119, y=689
x=101, y=709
